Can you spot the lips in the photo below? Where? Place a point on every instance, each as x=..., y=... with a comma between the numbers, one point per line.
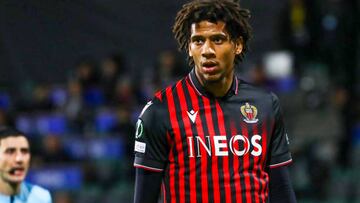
x=209, y=66
x=18, y=171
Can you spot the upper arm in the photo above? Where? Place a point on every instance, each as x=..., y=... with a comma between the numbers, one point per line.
x=151, y=145
x=147, y=186
x=279, y=143
x=280, y=187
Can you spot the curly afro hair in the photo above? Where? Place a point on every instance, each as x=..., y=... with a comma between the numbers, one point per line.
x=230, y=12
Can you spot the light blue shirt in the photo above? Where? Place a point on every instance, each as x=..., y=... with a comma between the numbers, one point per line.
x=28, y=194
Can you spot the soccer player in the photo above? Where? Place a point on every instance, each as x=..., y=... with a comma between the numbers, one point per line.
x=14, y=165
x=211, y=137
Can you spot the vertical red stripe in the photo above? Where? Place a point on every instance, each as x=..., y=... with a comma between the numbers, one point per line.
x=214, y=163
x=226, y=171
x=188, y=133
x=199, y=127
x=257, y=167
x=246, y=159
x=262, y=161
x=236, y=164
x=172, y=177
x=178, y=144
x=168, y=139
x=164, y=192
x=266, y=143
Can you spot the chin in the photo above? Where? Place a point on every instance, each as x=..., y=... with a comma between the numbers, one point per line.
x=213, y=78
x=16, y=180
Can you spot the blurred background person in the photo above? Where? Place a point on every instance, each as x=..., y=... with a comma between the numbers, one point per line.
x=14, y=164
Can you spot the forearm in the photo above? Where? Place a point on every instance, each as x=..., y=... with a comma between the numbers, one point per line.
x=147, y=186
x=281, y=190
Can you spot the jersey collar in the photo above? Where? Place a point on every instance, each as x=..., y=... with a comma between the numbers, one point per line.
x=201, y=90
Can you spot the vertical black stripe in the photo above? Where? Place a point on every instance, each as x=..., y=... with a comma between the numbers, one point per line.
x=167, y=188
x=270, y=126
x=243, y=181
x=238, y=122
x=177, y=176
x=227, y=112
x=181, y=124
x=166, y=179
x=186, y=107
x=219, y=158
x=176, y=158
x=209, y=159
x=191, y=106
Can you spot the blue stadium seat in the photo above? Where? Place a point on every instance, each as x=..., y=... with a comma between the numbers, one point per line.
x=76, y=148
x=94, y=97
x=58, y=96
x=51, y=124
x=106, y=148
x=105, y=121
x=25, y=124
x=4, y=101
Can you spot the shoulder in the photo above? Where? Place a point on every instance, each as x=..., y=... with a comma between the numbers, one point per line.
x=40, y=191
x=158, y=105
x=257, y=91
x=38, y=194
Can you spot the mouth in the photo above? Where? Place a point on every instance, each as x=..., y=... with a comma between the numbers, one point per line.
x=17, y=171
x=209, y=66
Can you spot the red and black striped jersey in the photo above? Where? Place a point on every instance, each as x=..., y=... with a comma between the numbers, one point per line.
x=212, y=149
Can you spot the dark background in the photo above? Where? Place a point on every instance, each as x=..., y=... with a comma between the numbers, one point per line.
x=43, y=40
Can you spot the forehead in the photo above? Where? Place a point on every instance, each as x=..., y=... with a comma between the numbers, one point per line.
x=14, y=142
x=205, y=27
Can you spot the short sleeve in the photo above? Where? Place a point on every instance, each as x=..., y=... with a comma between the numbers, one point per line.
x=279, y=146
x=151, y=146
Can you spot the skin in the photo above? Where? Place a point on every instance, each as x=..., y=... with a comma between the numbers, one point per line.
x=214, y=55
x=14, y=163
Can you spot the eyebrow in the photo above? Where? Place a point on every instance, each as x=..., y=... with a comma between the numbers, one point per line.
x=222, y=35
x=195, y=37
x=21, y=148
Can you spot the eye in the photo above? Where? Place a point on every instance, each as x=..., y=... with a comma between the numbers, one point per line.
x=198, y=41
x=25, y=151
x=218, y=40
x=10, y=151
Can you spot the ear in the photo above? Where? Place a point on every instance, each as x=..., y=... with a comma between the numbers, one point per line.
x=238, y=46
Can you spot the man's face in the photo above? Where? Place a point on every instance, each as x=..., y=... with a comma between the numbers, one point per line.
x=212, y=51
x=14, y=159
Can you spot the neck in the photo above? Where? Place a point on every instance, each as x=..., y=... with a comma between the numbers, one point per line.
x=218, y=88
x=7, y=188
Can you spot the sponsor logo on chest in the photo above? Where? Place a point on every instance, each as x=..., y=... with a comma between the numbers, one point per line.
x=221, y=145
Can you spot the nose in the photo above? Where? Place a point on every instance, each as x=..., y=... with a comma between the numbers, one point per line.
x=208, y=50
x=19, y=157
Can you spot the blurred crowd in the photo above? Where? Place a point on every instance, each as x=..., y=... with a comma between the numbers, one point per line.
x=82, y=130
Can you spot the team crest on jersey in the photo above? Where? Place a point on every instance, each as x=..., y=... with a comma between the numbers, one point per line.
x=249, y=112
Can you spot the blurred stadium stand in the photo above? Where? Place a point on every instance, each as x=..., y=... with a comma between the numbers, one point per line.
x=74, y=76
